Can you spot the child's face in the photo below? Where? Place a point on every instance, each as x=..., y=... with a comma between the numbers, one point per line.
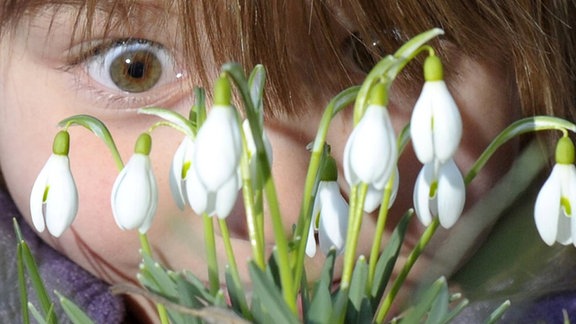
x=41, y=86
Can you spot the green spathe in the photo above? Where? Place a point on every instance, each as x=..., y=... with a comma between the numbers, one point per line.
x=433, y=70
x=565, y=151
x=222, y=92
x=379, y=95
x=143, y=144
x=61, y=145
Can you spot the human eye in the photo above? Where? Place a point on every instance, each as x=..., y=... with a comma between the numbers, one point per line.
x=134, y=72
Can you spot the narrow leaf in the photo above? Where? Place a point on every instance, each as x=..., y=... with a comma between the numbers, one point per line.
x=74, y=312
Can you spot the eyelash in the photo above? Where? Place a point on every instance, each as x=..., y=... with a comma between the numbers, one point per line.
x=94, y=60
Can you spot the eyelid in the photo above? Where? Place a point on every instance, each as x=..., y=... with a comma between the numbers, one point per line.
x=95, y=52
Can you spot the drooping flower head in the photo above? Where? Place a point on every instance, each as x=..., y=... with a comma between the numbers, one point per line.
x=370, y=152
x=54, y=197
x=135, y=192
x=439, y=191
x=435, y=125
x=554, y=208
x=213, y=183
x=330, y=213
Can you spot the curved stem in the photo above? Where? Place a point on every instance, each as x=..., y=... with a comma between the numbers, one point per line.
x=522, y=126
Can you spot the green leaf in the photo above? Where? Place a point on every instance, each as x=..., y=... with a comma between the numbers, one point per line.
x=36, y=314
x=156, y=278
x=256, y=82
x=388, y=258
x=74, y=312
x=439, y=309
x=421, y=308
x=269, y=296
x=22, y=285
x=45, y=302
x=99, y=129
x=498, y=312
x=237, y=295
x=320, y=308
x=359, y=309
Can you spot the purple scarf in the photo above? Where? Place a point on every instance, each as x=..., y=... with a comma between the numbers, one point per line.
x=58, y=272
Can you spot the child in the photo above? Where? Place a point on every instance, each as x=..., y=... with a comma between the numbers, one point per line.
x=61, y=58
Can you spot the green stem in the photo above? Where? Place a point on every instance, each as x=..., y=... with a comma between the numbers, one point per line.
x=253, y=214
x=339, y=102
x=389, y=67
x=380, y=227
x=97, y=128
x=253, y=115
x=522, y=126
x=357, y=199
x=281, y=245
x=145, y=244
x=211, y=258
x=386, y=303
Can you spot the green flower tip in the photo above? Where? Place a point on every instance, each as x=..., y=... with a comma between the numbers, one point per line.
x=61, y=145
x=433, y=70
x=565, y=151
x=378, y=95
x=329, y=171
x=143, y=144
x=222, y=92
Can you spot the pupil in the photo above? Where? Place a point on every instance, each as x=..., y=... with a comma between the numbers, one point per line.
x=135, y=71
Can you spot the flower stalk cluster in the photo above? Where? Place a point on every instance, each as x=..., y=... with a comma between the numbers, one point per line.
x=222, y=153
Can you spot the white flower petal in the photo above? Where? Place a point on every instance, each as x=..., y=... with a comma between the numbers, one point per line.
x=311, y=242
x=226, y=197
x=62, y=202
x=196, y=193
x=133, y=193
x=182, y=157
x=373, y=199
x=370, y=152
x=37, y=196
x=218, y=148
x=349, y=173
x=447, y=121
x=451, y=194
x=333, y=218
x=547, y=207
x=422, y=194
x=421, y=127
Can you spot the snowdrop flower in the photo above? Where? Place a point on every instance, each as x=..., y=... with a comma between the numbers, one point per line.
x=435, y=125
x=374, y=196
x=329, y=215
x=370, y=152
x=439, y=191
x=134, y=194
x=213, y=185
x=179, y=171
x=54, y=198
x=554, y=208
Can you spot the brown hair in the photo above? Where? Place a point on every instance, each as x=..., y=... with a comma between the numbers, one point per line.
x=295, y=40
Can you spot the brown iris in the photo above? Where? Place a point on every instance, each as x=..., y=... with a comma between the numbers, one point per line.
x=136, y=71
